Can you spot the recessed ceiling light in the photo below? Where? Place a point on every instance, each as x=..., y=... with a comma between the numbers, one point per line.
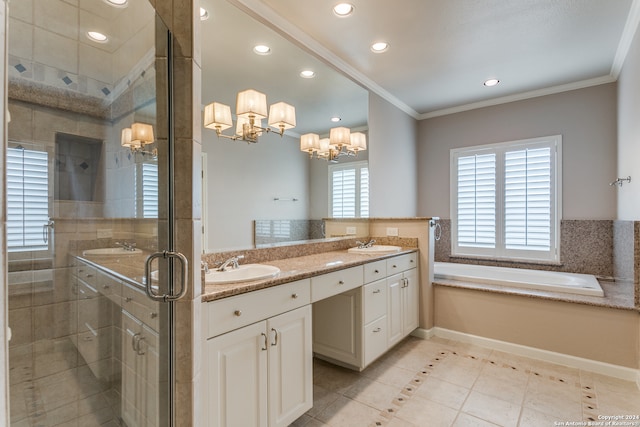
x=343, y=9
x=491, y=82
x=262, y=49
x=204, y=14
x=116, y=3
x=307, y=74
x=379, y=47
x=97, y=37
x=335, y=119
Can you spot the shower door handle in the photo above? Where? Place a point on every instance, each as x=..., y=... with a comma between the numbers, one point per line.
x=184, y=274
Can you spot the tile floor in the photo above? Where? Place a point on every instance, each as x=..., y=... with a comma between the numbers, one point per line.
x=445, y=383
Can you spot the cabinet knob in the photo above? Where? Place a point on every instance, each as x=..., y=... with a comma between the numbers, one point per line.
x=341, y=282
x=377, y=291
x=238, y=313
x=153, y=314
x=294, y=296
x=411, y=261
x=127, y=299
x=394, y=266
x=376, y=271
x=105, y=286
x=377, y=330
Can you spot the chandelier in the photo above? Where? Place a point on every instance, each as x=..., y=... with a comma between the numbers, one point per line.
x=341, y=142
x=137, y=137
x=251, y=108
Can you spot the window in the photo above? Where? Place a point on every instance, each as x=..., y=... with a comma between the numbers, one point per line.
x=349, y=190
x=148, y=204
x=505, y=200
x=27, y=199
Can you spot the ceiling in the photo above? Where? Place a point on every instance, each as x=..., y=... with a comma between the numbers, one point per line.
x=441, y=51
x=229, y=65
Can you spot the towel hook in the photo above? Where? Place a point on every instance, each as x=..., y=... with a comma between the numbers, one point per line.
x=620, y=181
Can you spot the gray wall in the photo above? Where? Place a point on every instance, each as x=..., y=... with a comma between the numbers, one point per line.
x=392, y=160
x=629, y=134
x=586, y=119
x=243, y=179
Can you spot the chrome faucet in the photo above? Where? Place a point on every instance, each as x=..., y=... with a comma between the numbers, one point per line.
x=204, y=266
x=127, y=246
x=233, y=262
x=365, y=245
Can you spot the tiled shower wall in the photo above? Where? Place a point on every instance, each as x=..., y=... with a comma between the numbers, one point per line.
x=605, y=248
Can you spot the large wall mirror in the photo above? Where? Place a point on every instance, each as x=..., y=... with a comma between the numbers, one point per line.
x=271, y=180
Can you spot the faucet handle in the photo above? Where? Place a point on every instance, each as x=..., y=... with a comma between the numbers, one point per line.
x=204, y=266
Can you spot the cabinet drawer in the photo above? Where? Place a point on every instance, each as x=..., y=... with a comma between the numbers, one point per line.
x=235, y=312
x=375, y=339
x=401, y=263
x=375, y=300
x=87, y=274
x=335, y=283
x=375, y=271
x=136, y=302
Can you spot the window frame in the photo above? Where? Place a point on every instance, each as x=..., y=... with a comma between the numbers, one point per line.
x=358, y=166
x=500, y=252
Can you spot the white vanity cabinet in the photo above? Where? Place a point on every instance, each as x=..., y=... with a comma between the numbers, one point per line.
x=354, y=328
x=258, y=360
x=118, y=339
x=402, y=312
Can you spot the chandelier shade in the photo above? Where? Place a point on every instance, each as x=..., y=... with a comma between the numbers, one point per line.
x=251, y=103
x=217, y=116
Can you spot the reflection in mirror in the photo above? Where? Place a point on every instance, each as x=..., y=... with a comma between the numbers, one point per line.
x=75, y=187
x=72, y=96
x=259, y=181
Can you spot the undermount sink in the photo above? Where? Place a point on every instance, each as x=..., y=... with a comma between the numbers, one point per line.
x=244, y=273
x=111, y=251
x=375, y=250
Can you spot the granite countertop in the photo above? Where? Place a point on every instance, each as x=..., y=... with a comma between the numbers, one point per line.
x=617, y=295
x=297, y=268
x=128, y=268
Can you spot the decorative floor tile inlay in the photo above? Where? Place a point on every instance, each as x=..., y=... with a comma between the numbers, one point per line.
x=483, y=387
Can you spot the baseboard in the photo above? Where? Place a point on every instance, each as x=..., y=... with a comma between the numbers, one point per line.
x=598, y=367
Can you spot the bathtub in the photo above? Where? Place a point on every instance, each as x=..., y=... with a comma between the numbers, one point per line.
x=573, y=283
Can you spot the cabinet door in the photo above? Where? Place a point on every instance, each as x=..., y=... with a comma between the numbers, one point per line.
x=140, y=372
x=410, y=302
x=236, y=377
x=394, y=310
x=290, y=366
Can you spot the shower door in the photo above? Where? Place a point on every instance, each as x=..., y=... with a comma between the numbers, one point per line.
x=92, y=271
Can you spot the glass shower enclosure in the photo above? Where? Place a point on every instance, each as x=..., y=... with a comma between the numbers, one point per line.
x=88, y=201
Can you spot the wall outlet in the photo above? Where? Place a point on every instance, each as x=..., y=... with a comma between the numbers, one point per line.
x=392, y=231
x=104, y=233
x=351, y=230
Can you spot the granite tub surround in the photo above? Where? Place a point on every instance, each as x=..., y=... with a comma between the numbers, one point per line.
x=607, y=249
x=296, y=268
x=618, y=295
x=586, y=246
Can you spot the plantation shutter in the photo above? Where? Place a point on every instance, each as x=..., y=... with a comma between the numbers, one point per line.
x=364, y=192
x=476, y=196
x=528, y=199
x=149, y=190
x=344, y=193
x=349, y=190
x=27, y=199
